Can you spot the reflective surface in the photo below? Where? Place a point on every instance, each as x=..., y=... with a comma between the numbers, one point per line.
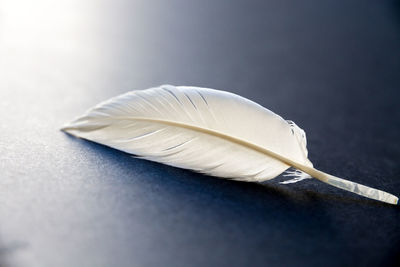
x=331, y=67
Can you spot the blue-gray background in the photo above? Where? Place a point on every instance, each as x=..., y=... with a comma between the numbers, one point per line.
x=333, y=67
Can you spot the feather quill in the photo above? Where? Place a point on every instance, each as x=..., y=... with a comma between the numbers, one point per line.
x=209, y=131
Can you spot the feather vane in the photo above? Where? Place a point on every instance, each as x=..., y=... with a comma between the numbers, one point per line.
x=208, y=131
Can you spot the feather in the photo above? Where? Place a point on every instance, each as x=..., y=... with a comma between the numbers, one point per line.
x=209, y=131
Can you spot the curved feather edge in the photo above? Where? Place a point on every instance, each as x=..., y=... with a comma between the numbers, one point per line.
x=324, y=177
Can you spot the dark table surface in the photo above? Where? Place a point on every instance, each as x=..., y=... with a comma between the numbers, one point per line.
x=333, y=67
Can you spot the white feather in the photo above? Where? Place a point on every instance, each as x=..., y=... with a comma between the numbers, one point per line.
x=205, y=130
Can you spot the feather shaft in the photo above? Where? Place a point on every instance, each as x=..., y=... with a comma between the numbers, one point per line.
x=350, y=186
x=323, y=177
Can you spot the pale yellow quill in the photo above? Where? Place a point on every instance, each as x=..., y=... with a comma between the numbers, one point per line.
x=208, y=131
